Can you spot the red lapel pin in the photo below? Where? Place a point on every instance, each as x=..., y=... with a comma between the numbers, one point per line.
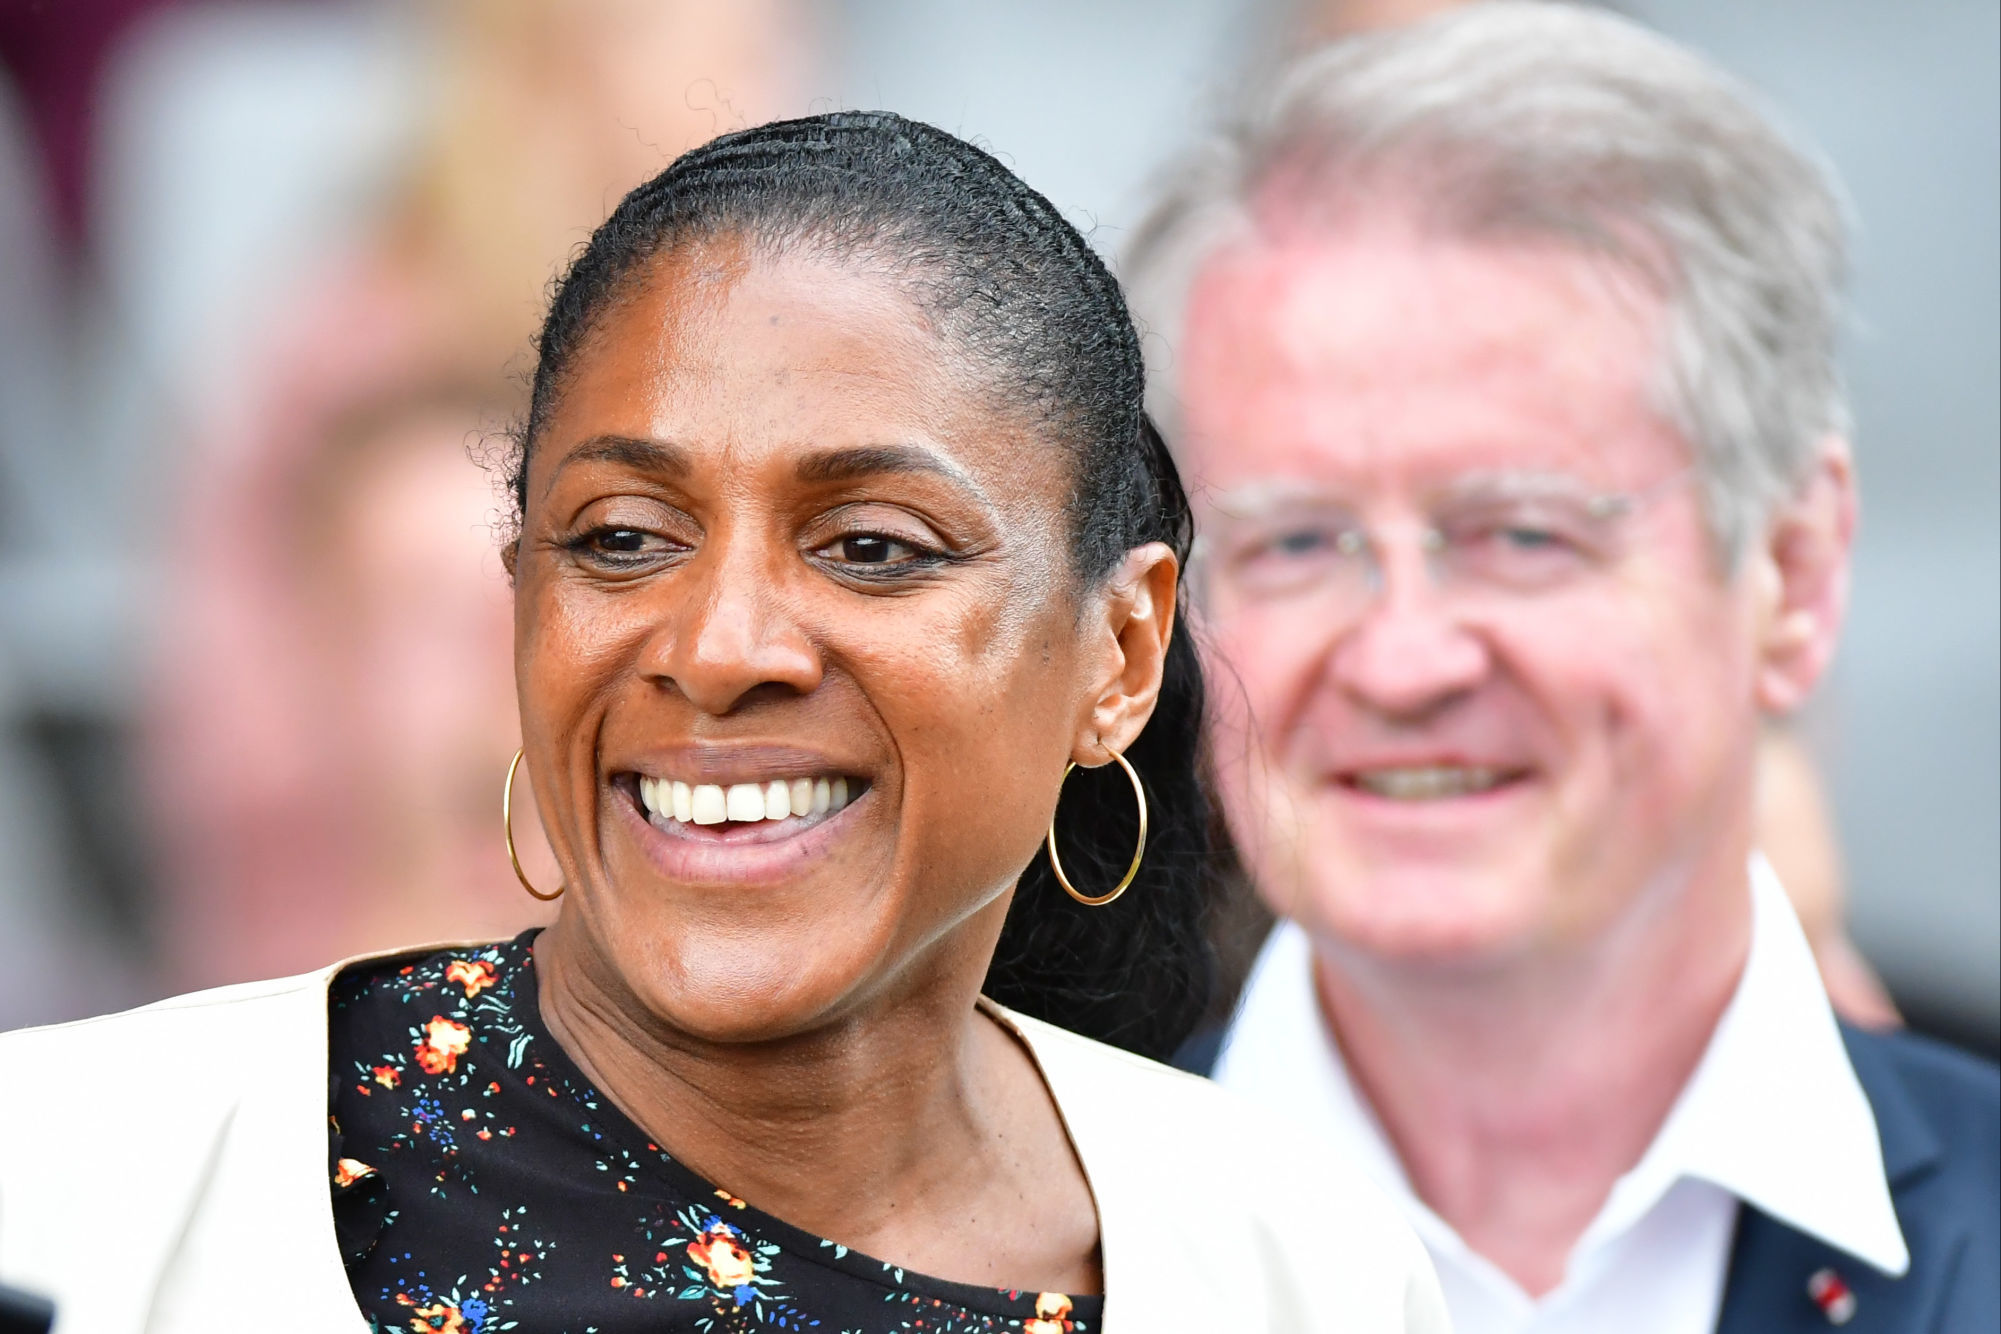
x=1832, y=1296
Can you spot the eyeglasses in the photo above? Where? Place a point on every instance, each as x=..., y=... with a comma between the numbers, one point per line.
x=1511, y=536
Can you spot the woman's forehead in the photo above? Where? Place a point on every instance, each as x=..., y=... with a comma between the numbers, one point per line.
x=724, y=345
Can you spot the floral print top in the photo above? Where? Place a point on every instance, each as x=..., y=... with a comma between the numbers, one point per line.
x=480, y=1183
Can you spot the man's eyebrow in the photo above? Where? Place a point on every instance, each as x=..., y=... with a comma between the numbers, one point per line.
x=1265, y=494
x=1520, y=484
x=842, y=465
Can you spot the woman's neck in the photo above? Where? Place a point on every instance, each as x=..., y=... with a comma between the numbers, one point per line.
x=887, y=1130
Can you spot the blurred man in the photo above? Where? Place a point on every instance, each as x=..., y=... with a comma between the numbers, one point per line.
x=1501, y=354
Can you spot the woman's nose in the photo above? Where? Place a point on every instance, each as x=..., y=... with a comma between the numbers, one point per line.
x=731, y=634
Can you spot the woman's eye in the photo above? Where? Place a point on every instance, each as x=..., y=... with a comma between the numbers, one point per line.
x=870, y=549
x=620, y=539
x=616, y=547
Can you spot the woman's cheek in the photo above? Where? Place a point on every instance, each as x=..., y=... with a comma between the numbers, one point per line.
x=573, y=646
x=958, y=721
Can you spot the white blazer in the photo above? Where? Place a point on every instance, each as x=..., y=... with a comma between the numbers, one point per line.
x=166, y=1166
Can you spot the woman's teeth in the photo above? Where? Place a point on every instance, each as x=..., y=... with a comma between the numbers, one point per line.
x=742, y=803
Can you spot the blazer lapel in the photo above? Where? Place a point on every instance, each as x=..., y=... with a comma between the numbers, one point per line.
x=1779, y=1277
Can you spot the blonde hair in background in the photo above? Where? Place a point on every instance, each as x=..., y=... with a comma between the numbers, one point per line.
x=544, y=113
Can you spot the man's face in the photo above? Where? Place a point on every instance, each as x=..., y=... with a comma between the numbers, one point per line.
x=1481, y=683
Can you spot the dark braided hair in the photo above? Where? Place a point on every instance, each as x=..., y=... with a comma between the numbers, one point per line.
x=1015, y=288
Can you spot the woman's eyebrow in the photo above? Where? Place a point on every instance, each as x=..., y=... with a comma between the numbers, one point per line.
x=655, y=456
x=841, y=465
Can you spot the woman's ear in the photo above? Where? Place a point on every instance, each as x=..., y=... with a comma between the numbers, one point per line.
x=1138, y=624
x=1805, y=555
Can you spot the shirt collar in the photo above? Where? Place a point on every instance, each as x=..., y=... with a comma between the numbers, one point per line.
x=1773, y=1113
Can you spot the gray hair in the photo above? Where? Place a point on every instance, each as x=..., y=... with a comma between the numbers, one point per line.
x=1519, y=120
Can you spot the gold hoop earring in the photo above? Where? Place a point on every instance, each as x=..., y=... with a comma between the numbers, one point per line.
x=507, y=829
x=1139, y=852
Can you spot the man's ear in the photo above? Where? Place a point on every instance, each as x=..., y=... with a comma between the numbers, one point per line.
x=1138, y=625
x=1804, y=576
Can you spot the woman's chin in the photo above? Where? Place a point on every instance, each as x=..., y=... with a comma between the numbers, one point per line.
x=737, y=934
x=727, y=976
x=733, y=995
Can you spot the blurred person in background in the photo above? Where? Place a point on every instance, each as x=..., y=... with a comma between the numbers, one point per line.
x=1795, y=832
x=42, y=972
x=1500, y=352
x=320, y=769
x=1316, y=21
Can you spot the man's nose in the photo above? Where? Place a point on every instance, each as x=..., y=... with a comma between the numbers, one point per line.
x=1406, y=654
x=731, y=633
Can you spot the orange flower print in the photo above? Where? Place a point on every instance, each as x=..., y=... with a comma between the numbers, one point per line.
x=1052, y=1312
x=475, y=975
x=350, y=1170
x=386, y=1075
x=444, y=1042
x=444, y=1318
x=722, y=1253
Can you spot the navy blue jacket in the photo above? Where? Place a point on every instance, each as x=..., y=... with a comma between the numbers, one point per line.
x=1938, y=1113
x=1939, y=1116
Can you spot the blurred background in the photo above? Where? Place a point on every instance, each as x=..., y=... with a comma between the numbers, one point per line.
x=268, y=271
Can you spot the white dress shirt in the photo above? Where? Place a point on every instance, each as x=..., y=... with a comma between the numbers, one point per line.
x=1773, y=1116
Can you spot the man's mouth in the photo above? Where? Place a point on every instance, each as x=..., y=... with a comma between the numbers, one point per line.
x=782, y=804
x=1431, y=782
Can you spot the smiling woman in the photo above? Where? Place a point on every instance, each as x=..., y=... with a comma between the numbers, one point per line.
x=841, y=538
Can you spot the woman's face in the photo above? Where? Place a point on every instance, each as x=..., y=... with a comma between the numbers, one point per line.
x=776, y=542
